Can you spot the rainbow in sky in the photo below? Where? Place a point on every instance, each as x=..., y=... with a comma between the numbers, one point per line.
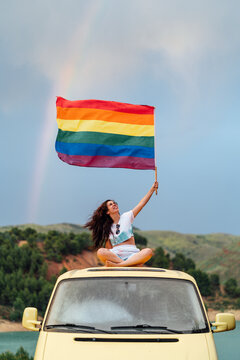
x=73, y=61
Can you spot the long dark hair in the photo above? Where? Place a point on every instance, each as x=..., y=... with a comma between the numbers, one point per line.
x=100, y=224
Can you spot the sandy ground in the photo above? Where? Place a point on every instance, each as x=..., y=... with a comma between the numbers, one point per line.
x=212, y=314
x=6, y=326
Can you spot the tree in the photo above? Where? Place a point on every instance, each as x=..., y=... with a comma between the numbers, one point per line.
x=202, y=280
x=140, y=240
x=180, y=262
x=29, y=232
x=214, y=282
x=57, y=244
x=18, y=307
x=231, y=288
x=21, y=354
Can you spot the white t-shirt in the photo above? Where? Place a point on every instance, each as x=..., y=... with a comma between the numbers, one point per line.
x=126, y=230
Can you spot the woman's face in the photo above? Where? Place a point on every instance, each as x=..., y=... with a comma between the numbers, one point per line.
x=112, y=207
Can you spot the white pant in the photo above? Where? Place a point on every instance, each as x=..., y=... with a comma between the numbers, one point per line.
x=125, y=251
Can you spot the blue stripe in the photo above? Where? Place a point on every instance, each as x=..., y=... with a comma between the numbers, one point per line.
x=104, y=150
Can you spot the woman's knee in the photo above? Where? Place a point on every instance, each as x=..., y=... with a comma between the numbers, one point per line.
x=102, y=253
x=148, y=252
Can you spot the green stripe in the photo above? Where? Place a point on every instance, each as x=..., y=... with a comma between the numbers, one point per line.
x=89, y=137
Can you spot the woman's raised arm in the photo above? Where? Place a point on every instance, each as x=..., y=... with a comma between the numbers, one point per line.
x=145, y=199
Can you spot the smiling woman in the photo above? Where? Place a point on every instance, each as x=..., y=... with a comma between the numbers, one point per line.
x=115, y=233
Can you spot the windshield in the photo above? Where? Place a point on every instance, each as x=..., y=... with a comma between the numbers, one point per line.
x=126, y=305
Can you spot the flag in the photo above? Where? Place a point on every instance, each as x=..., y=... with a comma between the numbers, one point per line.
x=98, y=133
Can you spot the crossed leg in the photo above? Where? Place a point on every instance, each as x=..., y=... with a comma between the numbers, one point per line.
x=107, y=255
x=110, y=259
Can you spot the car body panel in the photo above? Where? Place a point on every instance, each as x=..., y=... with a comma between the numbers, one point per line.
x=187, y=346
x=58, y=344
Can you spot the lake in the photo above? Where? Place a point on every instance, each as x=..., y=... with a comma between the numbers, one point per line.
x=227, y=343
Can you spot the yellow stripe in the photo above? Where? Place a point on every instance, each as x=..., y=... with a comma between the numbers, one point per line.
x=106, y=127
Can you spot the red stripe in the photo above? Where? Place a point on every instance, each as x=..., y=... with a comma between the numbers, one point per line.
x=106, y=105
x=128, y=162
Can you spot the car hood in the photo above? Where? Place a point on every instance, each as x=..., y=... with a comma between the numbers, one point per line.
x=63, y=346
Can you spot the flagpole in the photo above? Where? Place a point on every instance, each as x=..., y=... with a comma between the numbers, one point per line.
x=155, y=154
x=156, y=178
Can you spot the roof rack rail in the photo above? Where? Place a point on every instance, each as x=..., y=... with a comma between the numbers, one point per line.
x=126, y=269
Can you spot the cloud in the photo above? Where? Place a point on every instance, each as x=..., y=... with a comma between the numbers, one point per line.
x=96, y=48
x=181, y=56
x=112, y=40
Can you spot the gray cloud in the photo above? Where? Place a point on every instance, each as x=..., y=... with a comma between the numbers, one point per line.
x=181, y=56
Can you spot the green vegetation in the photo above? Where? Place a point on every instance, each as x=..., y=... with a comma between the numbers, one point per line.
x=212, y=253
x=140, y=240
x=57, y=244
x=21, y=354
x=231, y=288
x=63, y=227
x=209, y=285
x=180, y=262
x=23, y=268
x=22, y=273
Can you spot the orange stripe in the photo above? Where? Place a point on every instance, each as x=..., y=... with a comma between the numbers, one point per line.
x=103, y=115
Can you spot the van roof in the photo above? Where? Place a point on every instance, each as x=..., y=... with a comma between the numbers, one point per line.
x=125, y=272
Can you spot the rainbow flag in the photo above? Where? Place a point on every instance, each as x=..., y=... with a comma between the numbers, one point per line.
x=97, y=133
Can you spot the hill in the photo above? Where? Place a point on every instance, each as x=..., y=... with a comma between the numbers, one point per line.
x=31, y=260
x=62, y=227
x=213, y=253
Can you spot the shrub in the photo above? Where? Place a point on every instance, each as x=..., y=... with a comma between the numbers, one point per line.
x=202, y=280
x=180, y=262
x=214, y=282
x=21, y=354
x=18, y=307
x=231, y=288
x=140, y=240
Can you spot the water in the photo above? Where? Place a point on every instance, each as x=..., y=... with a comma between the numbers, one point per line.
x=12, y=341
x=227, y=343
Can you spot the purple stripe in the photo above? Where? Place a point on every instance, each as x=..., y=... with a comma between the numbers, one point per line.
x=128, y=162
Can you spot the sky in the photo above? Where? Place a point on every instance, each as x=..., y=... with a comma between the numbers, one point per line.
x=181, y=56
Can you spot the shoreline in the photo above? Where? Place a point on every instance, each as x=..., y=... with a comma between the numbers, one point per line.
x=10, y=326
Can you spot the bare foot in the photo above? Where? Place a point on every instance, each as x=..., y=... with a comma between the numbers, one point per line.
x=109, y=263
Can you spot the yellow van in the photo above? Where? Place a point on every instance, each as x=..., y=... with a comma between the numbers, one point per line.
x=126, y=313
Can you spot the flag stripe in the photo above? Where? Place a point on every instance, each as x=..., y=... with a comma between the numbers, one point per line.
x=106, y=105
x=104, y=150
x=109, y=161
x=104, y=115
x=106, y=127
x=105, y=139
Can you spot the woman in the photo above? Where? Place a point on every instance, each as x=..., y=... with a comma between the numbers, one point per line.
x=114, y=231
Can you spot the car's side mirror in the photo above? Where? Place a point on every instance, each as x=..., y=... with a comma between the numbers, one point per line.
x=224, y=322
x=29, y=319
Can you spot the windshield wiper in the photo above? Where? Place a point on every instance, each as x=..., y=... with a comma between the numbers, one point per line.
x=76, y=326
x=196, y=331
x=142, y=327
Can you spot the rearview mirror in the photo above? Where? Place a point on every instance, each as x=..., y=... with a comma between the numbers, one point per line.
x=224, y=322
x=29, y=320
